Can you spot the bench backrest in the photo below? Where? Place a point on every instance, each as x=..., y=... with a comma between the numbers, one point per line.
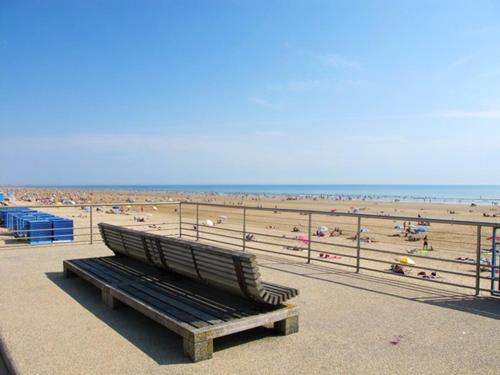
x=234, y=271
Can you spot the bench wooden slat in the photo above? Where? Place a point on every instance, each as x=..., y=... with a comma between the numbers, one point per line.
x=107, y=275
x=197, y=312
x=226, y=310
x=196, y=317
x=236, y=272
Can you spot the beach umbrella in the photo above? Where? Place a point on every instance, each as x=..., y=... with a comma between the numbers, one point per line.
x=406, y=260
x=322, y=229
x=303, y=239
x=421, y=230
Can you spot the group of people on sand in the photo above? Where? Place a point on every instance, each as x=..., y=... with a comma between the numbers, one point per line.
x=336, y=232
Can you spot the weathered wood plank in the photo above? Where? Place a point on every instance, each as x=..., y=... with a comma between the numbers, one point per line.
x=244, y=324
x=164, y=308
x=180, y=305
x=232, y=271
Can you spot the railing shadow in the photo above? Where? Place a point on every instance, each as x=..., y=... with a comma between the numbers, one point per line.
x=481, y=305
x=156, y=341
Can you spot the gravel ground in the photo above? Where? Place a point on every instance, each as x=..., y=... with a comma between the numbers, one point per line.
x=349, y=323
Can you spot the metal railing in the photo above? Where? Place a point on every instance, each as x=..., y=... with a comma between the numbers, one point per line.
x=267, y=229
x=463, y=259
x=85, y=229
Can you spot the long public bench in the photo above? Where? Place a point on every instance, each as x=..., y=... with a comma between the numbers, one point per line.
x=198, y=291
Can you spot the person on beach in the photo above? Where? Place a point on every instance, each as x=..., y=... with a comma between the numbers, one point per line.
x=426, y=243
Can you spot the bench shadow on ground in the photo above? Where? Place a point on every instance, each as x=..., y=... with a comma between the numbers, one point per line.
x=388, y=285
x=156, y=341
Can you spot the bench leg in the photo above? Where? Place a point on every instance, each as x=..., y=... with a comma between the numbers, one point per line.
x=67, y=273
x=199, y=350
x=287, y=326
x=109, y=300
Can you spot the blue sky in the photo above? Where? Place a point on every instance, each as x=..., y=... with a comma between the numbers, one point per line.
x=186, y=92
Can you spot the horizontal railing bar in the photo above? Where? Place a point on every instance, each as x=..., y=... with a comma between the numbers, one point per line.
x=239, y=231
x=332, y=253
x=278, y=244
x=45, y=236
x=208, y=239
x=14, y=232
x=96, y=205
x=417, y=256
x=221, y=235
x=420, y=278
x=208, y=226
x=87, y=227
x=333, y=262
x=24, y=246
x=419, y=267
x=364, y=248
x=138, y=225
x=333, y=244
x=272, y=209
x=485, y=277
x=348, y=214
x=274, y=244
x=275, y=252
x=22, y=231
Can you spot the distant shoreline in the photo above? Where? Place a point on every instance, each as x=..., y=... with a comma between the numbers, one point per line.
x=461, y=194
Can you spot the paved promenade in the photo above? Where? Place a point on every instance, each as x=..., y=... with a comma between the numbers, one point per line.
x=349, y=323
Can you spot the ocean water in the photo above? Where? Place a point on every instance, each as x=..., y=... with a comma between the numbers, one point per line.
x=440, y=193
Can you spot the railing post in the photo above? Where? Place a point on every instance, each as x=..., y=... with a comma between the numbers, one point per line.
x=91, y=225
x=478, y=261
x=244, y=228
x=309, y=238
x=197, y=222
x=180, y=219
x=494, y=266
x=358, y=244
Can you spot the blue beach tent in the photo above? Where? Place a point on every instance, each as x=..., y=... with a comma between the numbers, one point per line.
x=62, y=229
x=39, y=232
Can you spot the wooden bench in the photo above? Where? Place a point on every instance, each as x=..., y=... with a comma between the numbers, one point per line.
x=199, y=292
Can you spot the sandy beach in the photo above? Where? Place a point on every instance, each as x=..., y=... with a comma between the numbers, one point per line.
x=279, y=232
x=360, y=322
